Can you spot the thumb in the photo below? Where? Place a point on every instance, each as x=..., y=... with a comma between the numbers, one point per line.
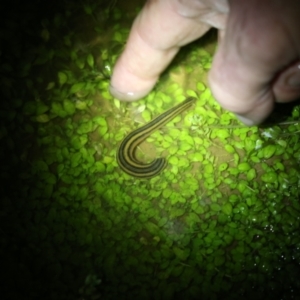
x=255, y=64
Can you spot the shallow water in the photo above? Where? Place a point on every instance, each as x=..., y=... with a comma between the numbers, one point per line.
x=221, y=221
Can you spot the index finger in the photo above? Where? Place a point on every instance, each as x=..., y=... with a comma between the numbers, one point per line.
x=156, y=36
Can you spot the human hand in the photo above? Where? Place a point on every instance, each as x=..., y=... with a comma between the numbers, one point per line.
x=158, y=32
x=256, y=64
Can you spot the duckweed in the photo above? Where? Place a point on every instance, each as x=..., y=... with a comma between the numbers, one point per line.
x=220, y=222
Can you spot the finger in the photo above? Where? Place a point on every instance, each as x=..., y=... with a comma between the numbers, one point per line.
x=156, y=36
x=251, y=54
x=286, y=87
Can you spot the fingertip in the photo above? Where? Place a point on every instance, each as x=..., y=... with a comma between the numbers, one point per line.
x=246, y=120
x=258, y=112
x=250, y=109
x=287, y=85
x=127, y=95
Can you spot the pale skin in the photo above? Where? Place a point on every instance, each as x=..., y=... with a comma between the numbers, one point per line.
x=257, y=62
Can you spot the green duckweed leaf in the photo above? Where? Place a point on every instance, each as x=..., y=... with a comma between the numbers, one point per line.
x=243, y=208
x=42, y=118
x=244, y=167
x=99, y=167
x=242, y=185
x=192, y=219
x=282, y=143
x=293, y=212
x=197, y=157
x=267, y=152
x=223, y=133
x=236, y=158
x=44, y=56
x=50, y=86
x=227, y=208
x=269, y=177
x=90, y=60
x=258, y=144
x=192, y=183
x=162, y=221
x=41, y=108
x=81, y=105
x=279, y=166
x=255, y=159
x=177, y=212
x=146, y=115
x=174, y=170
x=181, y=254
x=174, y=133
x=185, y=146
x=223, y=167
x=167, y=193
x=211, y=114
x=85, y=127
x=208, y=170
x=215, y=207
x=219, y=260
x=108, y=159
x=77, y=87
x=62, y=78
x=229, y=148
x=69, y=107
x=75, y=159
x=101, y=121
x=80, y=63
x=198, y=209
x=228, y=239
x=188, y=139
x=38, y=166
x=57, y=109
x=251, y=174
x=173, y=160
x=249, y=144
x=103, y=127
x=102, y=130
x=29, y=108
x=78, y=141
x=191, y=93
x=152, y=228
x=201, y=86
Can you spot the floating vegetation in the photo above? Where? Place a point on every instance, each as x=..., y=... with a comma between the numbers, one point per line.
x=220, y=222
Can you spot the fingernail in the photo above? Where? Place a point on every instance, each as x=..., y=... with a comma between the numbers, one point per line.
x=245, y=120
x=128, y=96
x=294, y=79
